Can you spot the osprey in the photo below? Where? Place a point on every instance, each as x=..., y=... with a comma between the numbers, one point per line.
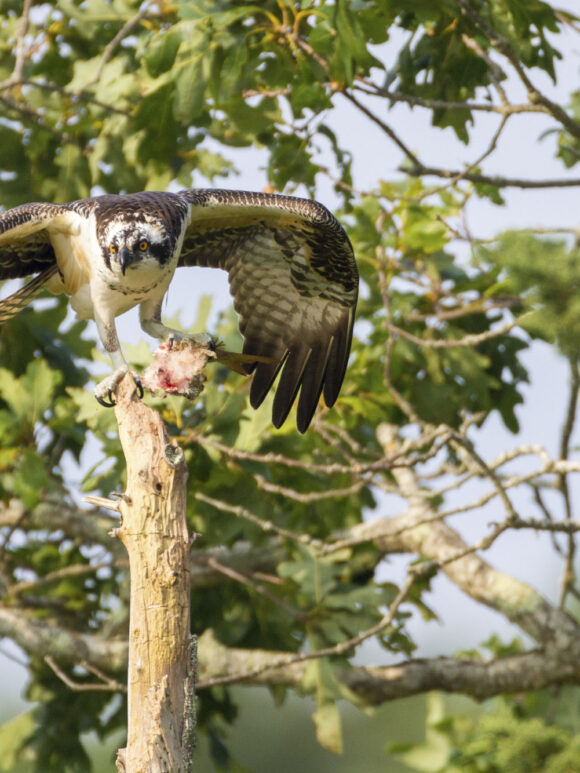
x=290, y=265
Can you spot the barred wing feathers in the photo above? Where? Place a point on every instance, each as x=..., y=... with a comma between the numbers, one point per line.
x=294, y=281
x=26, y=248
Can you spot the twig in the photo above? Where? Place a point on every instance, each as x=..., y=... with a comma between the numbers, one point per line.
x=332, y=468
x=495, y=71
x=75, y=570
x=384, y=126
x=462, y=175
x=565, y=527
x=109, y=49
x=481, y=306
x=310, y=496
x=569, y=574
x=548, y=516
x=372, y=90
x=468, y=340
x=337, y=649
x=403, y=404
x=20, y=46
x=249, y=582
x=106, y=685
x=271, y=458
x=484, y=544
x=267, y=526
x=498, y=181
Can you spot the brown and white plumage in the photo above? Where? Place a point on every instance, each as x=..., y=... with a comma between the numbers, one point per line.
x=290, y=265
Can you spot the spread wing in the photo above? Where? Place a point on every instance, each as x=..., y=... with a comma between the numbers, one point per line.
x=25, y=248
x=294, y=281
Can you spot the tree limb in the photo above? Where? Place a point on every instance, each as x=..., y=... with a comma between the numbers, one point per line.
x=377, y=684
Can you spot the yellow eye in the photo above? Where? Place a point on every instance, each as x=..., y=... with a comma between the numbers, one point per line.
x=113, y=248
x=143, y=245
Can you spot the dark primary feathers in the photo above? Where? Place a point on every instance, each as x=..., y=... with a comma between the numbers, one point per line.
x=290, y=265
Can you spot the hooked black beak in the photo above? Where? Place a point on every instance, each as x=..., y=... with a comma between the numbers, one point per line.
x=126, y=257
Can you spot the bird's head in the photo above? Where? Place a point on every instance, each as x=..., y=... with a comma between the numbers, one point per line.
x=134, y=245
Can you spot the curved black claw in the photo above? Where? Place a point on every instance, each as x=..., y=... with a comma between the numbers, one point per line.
x=105, y=394
x=106, y=404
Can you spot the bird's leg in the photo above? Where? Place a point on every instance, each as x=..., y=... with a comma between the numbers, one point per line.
x=150, y=317
x=105, y=390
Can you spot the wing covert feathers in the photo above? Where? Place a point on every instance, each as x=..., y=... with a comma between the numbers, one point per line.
x=294, y=282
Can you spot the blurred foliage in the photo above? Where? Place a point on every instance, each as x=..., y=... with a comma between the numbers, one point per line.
x=511, y=735
x=535, y=732
x=553, y=295
x=111, y=95
x=139, y=115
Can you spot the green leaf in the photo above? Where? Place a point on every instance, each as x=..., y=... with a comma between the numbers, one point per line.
x=190, y=87
x=155, y=116
x=30, y=480
x=12, y=736
x=320, y=679
x=161, y=52
x=430, y=756
x=315, y=577
x=32, y=394
x=329, y=727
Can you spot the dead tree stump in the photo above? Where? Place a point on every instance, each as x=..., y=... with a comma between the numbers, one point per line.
x=154, y=531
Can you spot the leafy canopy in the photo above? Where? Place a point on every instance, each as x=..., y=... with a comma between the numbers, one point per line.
x=118, y=96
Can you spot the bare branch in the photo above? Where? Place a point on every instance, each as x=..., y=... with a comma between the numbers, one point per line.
x=421, y=170
x=377, y=684
x=479, y=306
x=468, y=340
x=385, y=128
x=462, y=175
x=74, y=570
x=372, y=90
x=517, y=601
x=310, y=496
x=557, y=663
x=255, y=586
x=40, y=638
x=489, y=473
x=111, y=46
x=105, y=685
x=91, y=526
x=565, y=527
x=569, y=575
x=20, y=46
x=267, y=526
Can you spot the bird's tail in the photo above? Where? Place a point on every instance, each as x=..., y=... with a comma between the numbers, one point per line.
x=10, y=306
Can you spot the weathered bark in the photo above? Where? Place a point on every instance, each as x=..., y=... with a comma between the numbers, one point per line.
x=154, y=532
